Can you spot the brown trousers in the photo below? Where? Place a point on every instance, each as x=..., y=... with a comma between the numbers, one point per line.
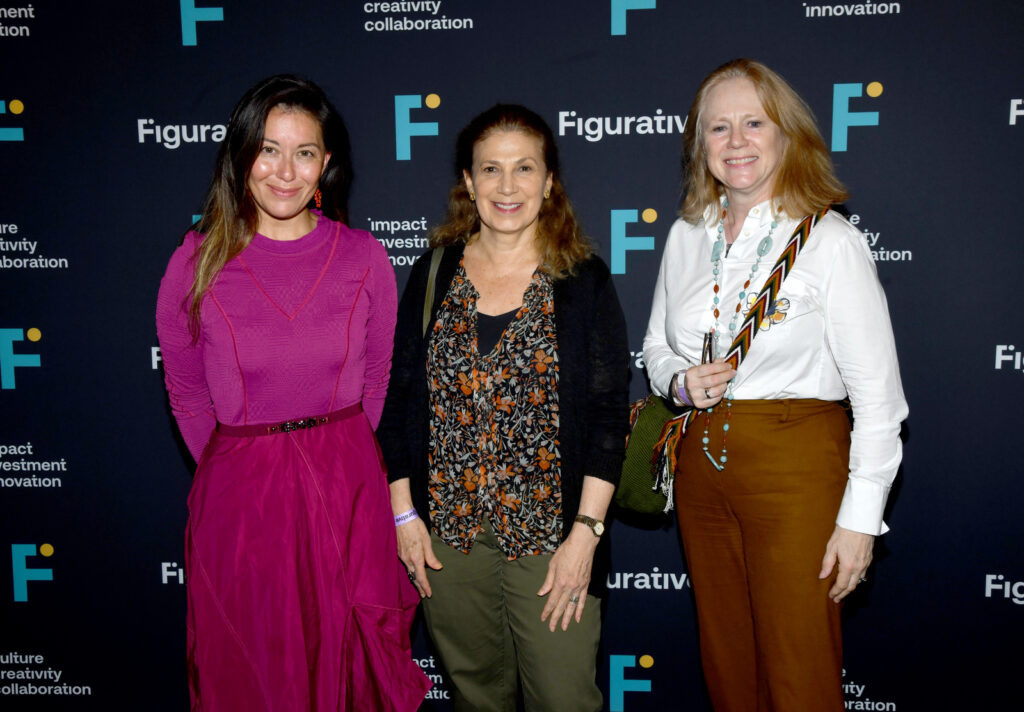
x=754, y=536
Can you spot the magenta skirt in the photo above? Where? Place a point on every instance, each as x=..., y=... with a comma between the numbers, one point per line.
x=296, y=597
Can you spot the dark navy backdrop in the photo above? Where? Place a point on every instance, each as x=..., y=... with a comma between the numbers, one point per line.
x=922, y=102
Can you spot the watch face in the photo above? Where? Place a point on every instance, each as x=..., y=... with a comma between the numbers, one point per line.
x=599, y=528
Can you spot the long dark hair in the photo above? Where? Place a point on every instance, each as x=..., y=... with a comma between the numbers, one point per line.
x=561, y=242
x=230, y=218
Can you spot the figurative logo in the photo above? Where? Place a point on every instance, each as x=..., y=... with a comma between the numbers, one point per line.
x=10, y=360
x=622, y=243
x=174, y=135
x=621, y=7
x=657, y=579
x=406, y=128
x=595, y=128
x=22, y=573
x=170, y=571
x=1008, y=353
x=619, y=684
x=996, y=585
x=843, y=118
x=14, y=106
x=191, y=15
x=1016, y=109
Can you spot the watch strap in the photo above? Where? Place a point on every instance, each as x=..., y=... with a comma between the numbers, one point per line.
x=596, y=525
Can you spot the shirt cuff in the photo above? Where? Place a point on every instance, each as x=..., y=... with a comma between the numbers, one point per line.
x=661, y=377
x=863, y=506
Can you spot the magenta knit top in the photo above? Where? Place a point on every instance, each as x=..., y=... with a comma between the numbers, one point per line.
x=289, y=329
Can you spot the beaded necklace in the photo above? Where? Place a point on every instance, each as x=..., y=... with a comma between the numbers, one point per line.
x=717, y=256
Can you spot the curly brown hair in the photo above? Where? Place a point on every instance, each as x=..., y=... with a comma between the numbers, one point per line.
x=562, y=244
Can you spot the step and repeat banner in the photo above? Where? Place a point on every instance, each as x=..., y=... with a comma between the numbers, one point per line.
x=110, y=116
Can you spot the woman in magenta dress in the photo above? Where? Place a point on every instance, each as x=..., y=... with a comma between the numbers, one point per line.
x=275, y=323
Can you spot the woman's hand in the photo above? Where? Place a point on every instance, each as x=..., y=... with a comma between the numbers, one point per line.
x=414, y=547
x=852, y=552
x=416, y=553
x=704, y=384
x=568, y=577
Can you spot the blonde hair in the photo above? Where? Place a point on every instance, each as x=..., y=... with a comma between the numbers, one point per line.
x=805, y=182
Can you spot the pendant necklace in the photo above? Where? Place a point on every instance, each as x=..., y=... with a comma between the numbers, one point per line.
x=718, y=251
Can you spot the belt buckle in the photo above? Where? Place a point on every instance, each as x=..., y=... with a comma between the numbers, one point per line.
x=300, y=424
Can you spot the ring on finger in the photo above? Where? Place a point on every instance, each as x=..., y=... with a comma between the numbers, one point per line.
x=411, y=573
x=862, y=580
x=707, y=394
x=573, y=600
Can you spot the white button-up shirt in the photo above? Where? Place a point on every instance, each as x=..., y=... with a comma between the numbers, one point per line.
x=831, y=337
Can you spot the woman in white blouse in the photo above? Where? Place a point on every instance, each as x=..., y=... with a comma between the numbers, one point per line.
x=778, y=502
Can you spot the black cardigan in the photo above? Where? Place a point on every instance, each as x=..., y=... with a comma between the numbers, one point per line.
x=593, y=384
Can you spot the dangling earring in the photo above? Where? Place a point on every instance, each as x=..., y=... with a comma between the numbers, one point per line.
x=318, y=197
x=547, y=193
x=472, y=195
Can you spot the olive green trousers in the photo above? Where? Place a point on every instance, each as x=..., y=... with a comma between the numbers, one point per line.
x=484, y=618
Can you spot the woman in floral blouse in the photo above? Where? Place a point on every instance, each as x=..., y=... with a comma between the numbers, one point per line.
x=504, y=423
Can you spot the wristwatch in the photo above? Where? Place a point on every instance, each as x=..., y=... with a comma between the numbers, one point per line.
x=596, y=525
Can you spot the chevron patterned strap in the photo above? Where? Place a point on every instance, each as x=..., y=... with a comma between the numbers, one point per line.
x=766, y=298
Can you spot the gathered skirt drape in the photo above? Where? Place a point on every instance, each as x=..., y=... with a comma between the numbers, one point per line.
x=296, y=597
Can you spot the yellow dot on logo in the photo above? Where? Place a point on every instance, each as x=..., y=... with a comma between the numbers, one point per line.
x=646, y=661
x=874, y=89
x=649, y=215
x=33, y=334
x=432, y=101
x=46, y=550
x=16, y=106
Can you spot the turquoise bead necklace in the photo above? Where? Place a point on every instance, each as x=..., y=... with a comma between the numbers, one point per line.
x=717, y=256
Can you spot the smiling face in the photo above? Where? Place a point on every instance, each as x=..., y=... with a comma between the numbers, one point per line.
x=286, y=172
x=744, y=147
x=509, y=178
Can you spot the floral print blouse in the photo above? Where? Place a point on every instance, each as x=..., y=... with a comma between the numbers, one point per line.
x=493, y=449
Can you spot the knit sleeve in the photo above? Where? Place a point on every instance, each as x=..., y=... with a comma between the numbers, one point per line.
x=184, y=372
x=408, y=377
x=380, y=332
x=608, y=385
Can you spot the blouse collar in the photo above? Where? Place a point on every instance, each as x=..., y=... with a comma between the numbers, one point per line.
x=761, y=215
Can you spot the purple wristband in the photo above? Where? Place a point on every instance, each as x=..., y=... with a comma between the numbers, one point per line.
x=681, y=391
